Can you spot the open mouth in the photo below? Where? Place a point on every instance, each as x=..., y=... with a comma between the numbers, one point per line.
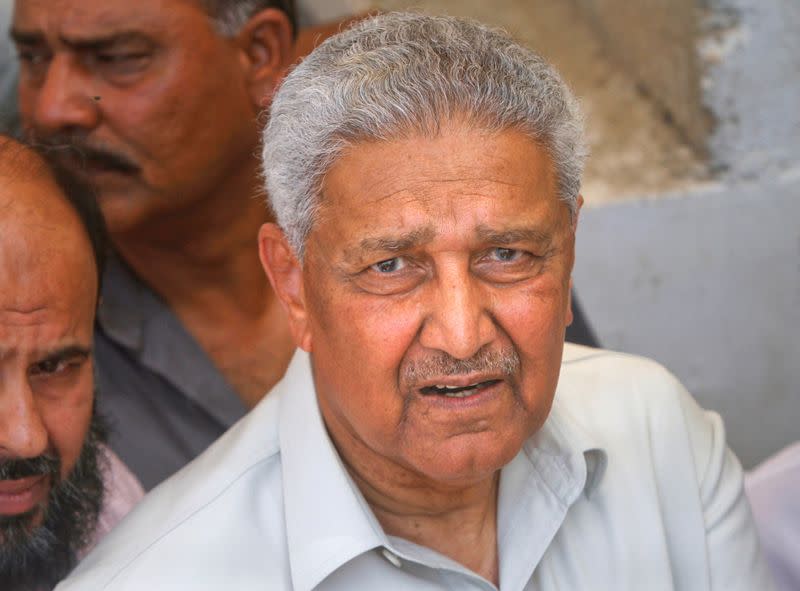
x=457, y=391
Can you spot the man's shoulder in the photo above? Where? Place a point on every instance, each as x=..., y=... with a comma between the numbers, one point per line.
x=615, y=378
x=235, y=484
x=626, y=402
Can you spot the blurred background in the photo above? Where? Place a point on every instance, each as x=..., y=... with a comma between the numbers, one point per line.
x=689, y=243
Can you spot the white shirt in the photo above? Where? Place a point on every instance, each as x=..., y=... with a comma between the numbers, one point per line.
x=628, y=485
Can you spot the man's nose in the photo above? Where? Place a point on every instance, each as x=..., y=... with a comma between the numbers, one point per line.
x=459, y=321
x=64, y=101
x=22, y=430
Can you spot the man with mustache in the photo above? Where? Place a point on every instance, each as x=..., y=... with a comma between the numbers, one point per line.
x=156, y=103
x=436, y=433
x=61, y=489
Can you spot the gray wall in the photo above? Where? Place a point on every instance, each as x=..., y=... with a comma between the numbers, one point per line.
x=751, y=52
x=709, y=285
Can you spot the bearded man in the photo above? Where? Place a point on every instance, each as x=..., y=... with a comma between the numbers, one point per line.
x=61, y=489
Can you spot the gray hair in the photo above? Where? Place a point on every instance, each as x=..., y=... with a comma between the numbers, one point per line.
x=231, y=15
x=400, y=74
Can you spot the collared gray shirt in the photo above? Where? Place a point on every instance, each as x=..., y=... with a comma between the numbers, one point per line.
x=165, y=398
x=627, y=486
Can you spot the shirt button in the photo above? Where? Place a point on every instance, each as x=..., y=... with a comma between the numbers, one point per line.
x=391, y=558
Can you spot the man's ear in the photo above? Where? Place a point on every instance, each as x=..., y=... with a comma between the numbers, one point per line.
x=570, y=315
x=267, y=50
x=285, y=273
x=577, y=213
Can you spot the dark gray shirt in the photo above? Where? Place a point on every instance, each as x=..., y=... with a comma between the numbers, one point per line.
x=165, y=399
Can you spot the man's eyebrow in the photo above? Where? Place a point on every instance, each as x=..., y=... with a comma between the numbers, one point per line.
x=392, y=243
x=82, y=44
x=512, y=235
x=25, y=37
x=67, y=352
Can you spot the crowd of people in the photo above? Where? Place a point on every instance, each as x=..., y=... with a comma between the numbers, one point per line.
x=319, y=308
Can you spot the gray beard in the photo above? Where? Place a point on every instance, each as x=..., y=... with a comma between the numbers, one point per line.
x=37, y=558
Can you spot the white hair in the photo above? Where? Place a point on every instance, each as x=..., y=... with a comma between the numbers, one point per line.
x=398, y=75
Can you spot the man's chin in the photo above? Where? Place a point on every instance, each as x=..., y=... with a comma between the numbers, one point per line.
x=15, y=528
x=467, y=460
x=39, y=547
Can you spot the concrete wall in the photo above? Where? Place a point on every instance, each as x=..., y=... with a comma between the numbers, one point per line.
x=709, y=285
x=750, y=50
x=655, y=41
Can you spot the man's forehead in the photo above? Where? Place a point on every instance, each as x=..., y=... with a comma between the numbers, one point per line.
x=84, y=20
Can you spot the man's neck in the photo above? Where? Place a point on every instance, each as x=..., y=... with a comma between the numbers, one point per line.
x=189, y=266
x=205, y=266
x=458, y=521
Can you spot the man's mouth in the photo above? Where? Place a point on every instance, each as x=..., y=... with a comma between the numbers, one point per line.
x=21, y=496
x=457, y=391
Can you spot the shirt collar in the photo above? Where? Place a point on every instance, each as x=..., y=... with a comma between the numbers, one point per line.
x=133, y=316
x=329, y=522
x=555, y=467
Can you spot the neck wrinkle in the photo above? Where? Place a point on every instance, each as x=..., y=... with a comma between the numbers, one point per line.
x=460, y=523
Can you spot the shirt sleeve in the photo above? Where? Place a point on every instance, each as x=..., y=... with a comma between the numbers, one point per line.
x=734, y=556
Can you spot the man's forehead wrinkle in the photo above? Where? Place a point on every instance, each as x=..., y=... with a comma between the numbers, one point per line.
x=422, y=186
x=77, y=24
x=21, y=312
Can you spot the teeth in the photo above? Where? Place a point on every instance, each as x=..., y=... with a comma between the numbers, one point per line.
x=443, y=387
x=461, y=393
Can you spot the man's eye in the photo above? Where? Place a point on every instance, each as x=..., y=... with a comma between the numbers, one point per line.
x=119, y=63
x=48, y=367
x=31, y=56
x=389, y=265
x=118, y=58
x=54, y=367
x=507, y=255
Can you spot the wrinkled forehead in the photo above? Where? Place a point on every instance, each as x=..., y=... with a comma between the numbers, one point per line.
x=87, y=19
x=459, y=161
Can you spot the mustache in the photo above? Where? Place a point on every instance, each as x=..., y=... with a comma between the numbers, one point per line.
x=505, y=362
x=83, y=154
x=16, y=469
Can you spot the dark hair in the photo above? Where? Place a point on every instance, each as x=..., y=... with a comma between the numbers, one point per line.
x=77, y=192
x=232, y=14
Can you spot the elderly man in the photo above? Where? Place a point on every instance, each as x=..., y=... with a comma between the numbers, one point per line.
x=60, y=488
x=425, y=175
